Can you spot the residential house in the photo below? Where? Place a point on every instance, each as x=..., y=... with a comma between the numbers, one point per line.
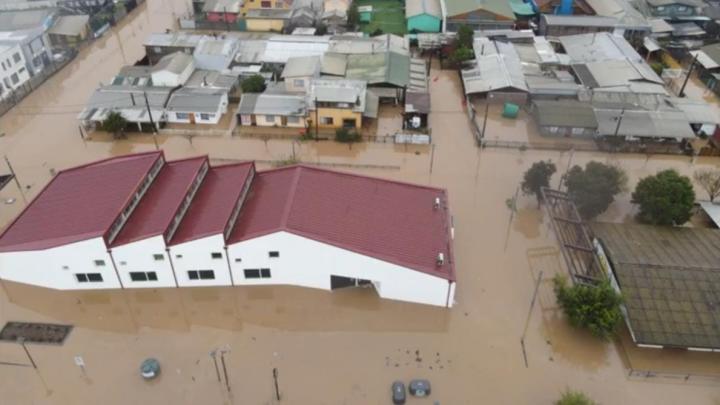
x=559, y=25
x=173, y=70
x=334, y=15
x=478, y=14
x=139, y=105
x=340, y=103
x=215, y=53
x=707, y=62
x=272, y=110
x=423, y=15
x=387, y=74
x=565, y=118
x=299, y=72
x=633, y=25
x=13, y=73
x=160, y=44
x=28, y=28
x=69, y=31
x=670, y=9
x=222, y=10
x=191, y=105
x=267, y=19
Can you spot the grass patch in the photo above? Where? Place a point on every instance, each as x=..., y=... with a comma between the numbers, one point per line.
x=388, y=15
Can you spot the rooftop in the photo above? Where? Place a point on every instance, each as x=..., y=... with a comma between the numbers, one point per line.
x=670, y=281
x=419, y=7
x=580, y=20
x=70, y=25
x=392, y=221
x=213, y=205
x=381, y=68
x=79, y=203
x=216, y=46
x=25, y=19
x=175, y=62
x=272, y=104
x=157, y=209
x=499, y=7
x=222, y=6
x=302, y=66
x=268, y=13
x=196, y=99
x=565, y=113
x=174, y=39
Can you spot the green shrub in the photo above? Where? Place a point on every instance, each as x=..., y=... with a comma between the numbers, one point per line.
x=345, y=135
x=570, y=397
x=592, y=307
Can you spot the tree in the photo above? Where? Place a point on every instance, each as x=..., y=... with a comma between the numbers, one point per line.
x=320, y=29
x=666, y=198
x=378, y=31
x=570, y=397
x=461, y=54
x=114, y=123
x=345, y=135
x=593, y=189
x=592, y=307
x=353, y=16
x=537, y=177
x=253, y=84
x=709, y=180
x=464, y=37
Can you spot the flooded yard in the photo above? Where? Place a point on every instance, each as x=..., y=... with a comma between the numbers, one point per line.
x=329, y=348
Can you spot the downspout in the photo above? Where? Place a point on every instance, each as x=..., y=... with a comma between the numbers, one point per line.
x=227, y=257
x=117, y=273
x=172, y=267
x=447, y=298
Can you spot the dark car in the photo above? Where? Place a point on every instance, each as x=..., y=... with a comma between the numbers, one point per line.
x=419, y=388
x=398, y=393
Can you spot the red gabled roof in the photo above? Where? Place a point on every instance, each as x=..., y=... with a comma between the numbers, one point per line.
x=214, y=202
x=158, y=207
x=392, y=221
x=78, y=204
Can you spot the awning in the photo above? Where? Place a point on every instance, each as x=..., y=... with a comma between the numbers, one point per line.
x=372, y=102
x=650, y=44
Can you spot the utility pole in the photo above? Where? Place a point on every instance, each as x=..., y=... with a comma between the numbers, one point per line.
x=17, y=182
x=687, y=78
x=222, y=360
x=225, y=17
x=487, y=107
x=317, y=121
x=152, y=122
x=213, y=354
x=620, y=118
x=275, y=379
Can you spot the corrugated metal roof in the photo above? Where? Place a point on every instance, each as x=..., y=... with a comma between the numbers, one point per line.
x=158, y=207
x=301, y=66
x=628, y=15
x=174, y=39
x=640, y=123
x=499, y=7
x=175, y=62
x=268, y=14
x=272, y=104
x=497, y=67
x=598, y=47
x=420, y=7
x=391, y=221
x=579, y=20
x=79, y=203
x=280, y=48
x=214, y=202
x=565, y=113
x=387, y=67
x=196, y=99
x=417, y=102
x=222, y=6
x=352, y=92
x=211, y=79
x=334, y=64
x=71, y=25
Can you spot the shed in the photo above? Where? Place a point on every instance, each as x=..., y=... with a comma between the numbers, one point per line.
x=197, y=105
x=69, y=30
x=299, y=71
x=173, y=69
x=564, y=118
x=423, y=15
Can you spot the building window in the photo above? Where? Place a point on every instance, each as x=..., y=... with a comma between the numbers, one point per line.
x=159, y=257
x=99, y=263
x=270, y=118
x=298, y=82
x=274, y=253
x=256, y=273
x=216, y=255
x=143, y=276
x=201, y=274
x=65, y=268
x=178, y=256
x=15, y=79
x=123, y=263
x=89, y=277
x=265, y=4
x=326, y=120
x=206, y=117
x=293, y=120
x=238, y=260
x=16, y=57
x=3, y=66
x=21, y=70
x=81, y=278
x=182, y=116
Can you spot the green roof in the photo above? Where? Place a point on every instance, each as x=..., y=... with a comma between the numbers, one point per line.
x=519, y=7
x=499, y=7
x=387, y=67
x=670, y=281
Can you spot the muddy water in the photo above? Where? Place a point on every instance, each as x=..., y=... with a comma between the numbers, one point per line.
x=340, y=348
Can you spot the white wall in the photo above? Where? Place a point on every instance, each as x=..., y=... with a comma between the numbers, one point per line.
x=308, y=263
x=170, y=79
x=196, y=255
x=213, y=118
x=12, y=68
x=56, y=267
x=302, y=85
x=138, y=256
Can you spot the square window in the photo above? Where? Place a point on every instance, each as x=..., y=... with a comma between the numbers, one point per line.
x=16, y=57
x=65, y=267
x=193, y=275
x=123, y=263
x=207, y=275
x=238, y=260
x=265, y=273
x=138, y=276
x=178, y=256
x=95, y=277
x=216, y=255
x=326, y=120
x=152, y=276
x=252, y=273
x=81, y=278
x=204, y=116
x=274, y=253
x=99, y=263
x=15, y=79
x=159, y=257
x=298, y=82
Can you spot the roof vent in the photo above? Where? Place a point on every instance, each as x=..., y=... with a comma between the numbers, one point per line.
x=440, y=259
x=436, y=204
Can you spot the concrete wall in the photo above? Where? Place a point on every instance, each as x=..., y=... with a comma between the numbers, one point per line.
x=170, y=79
x=56, y=267
x=308, y=263
x=265, y=25
x=338, y=115
x=272, y=121
x=197, y=255
x=12, y=69
x=302, y=85
x=138, y=256
x=210, y=118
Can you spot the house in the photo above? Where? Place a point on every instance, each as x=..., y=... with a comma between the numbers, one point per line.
x=707, y=62
x=478, y=14
x=215, y=53
x=222, y=10
x=130, y=102
x=267, y=19
x=334, y=64
x=158, y=45
x=558, y=25
x=387, y=74
x=423, y=15
x=272, y=110
x=299, y=71
x=69, y=31
x=132, y=75
x=306, y=13
x=190, y=105
x=28, y=28
x=14, y=73
x=565, y=118
x=173, y=70
x=671, y=9
x=417, y=110
x=340, y=103
x=334, y=14
x=280, y=48
x=633, y=25
x=140, y=250
x=137, y=221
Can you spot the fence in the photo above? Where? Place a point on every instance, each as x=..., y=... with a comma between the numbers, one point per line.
x=674, y=377
x=195, y=132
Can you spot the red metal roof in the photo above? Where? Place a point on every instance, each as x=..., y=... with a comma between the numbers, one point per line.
x=214, y=202
x=392, y=221
x=158, y=207
x=79, y=203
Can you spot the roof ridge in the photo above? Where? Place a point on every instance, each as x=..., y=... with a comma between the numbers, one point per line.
x=97, y=162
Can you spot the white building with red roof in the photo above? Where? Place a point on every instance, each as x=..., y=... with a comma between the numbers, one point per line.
x=138, y=221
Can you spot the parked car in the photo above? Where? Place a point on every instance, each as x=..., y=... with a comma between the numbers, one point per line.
x=398, y=393
x=419, y=388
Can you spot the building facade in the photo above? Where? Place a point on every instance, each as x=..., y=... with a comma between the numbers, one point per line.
x=13, y=70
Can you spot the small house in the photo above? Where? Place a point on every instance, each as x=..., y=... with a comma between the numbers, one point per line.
x=197, y=105
x=272, y=110
x=565, y=118
x=423, y=15
x=222, y=10
x=69, y=31
x=340, y=103
x=478, y=14
x=267, y=19
x=299, y=71
x=158, y=45
x=215, y=53
x=14, y=73
x=173, y=70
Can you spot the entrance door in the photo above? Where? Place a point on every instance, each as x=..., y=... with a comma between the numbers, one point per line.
x=192, y=118
x=349, y=123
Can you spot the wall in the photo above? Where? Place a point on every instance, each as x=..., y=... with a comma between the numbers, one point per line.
x=196, y=255
x=255, y=4
x=673, y=10
x=230, y=18
x=291, y=86
x=423, y=23
x=308, y=263
x=12, y=67
x=212, y=118
x=263, y=121
x=575, y=132
x=265, y=25
x=169, y=79
x=138, y=256
x=338, y=114
x=56, y=267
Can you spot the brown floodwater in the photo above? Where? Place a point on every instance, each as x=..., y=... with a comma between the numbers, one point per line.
x=341, y=348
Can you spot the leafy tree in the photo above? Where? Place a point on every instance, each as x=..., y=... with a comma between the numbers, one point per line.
x=461, y=54
x=114, y=123
x=320, y=29
x=666, y=198
x=709, y=180
x=537, y=177
x=253, y=84
x=353, y=16
x=594, y=188
x=464, y=37
x=377, y=32
x=570, y=397
x=345, y=135
x=592, y=307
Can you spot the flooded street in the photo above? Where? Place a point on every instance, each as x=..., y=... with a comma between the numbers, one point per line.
x=341, y=348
